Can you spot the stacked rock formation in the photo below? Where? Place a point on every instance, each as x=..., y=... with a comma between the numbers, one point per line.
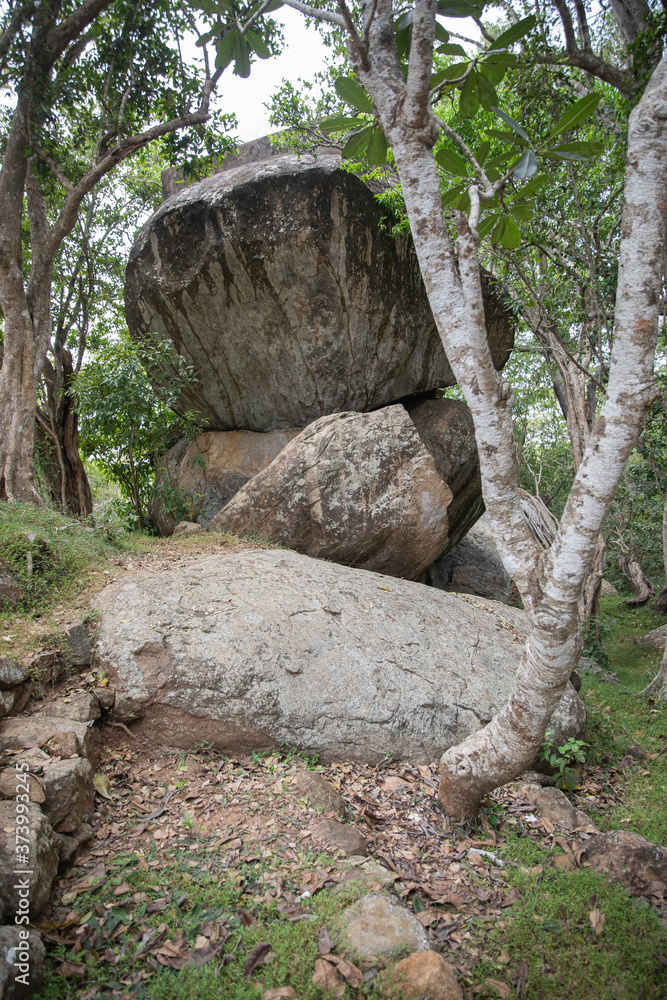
x=281, y=283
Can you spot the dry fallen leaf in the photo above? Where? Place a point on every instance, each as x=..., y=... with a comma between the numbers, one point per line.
x=502, y=989
x=597, y=920
x=326, y=978
x=522, y=978
x=280, y=993
x=101, y=783
x=346, y=969
x=72, y=970
x=258, y=956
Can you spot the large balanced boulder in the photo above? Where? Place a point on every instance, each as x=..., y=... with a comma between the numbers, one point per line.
x=282, y=285
x=249, y=649
x=360, y=489
x=207, y=472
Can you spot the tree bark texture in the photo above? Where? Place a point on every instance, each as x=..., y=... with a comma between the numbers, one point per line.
x=641, y=586
x=550, y=581
x=658, y=686
x=58, y=440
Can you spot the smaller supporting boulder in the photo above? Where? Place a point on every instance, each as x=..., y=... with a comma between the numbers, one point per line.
x=363, y=489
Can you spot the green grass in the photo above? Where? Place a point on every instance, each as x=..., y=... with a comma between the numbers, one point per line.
x=62, y=551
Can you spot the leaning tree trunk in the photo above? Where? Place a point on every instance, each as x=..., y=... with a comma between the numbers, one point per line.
x=658, y=686
x=641, y=586
x=550, y=581
x=58, y=441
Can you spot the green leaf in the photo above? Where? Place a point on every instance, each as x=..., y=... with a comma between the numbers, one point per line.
x=441, y=33
x=526, y=167
x=482, y=152
x=469, y=99
x=350, y=91
x=497, y=161
x=241, y=57
x=586, y=149
x=533, y=185
x=493, y=73
x=552, y=155
x=452, y=162
x=205, y=39
x=497, y=233
x=513, y=34
x=512, y=124
x=506, y=59
x=511, y=237
x=453, y=72
x=569, y=779
x=487, y=94
x=503, y=136
x=452, y=49
x=452, y=196
x=357, y=143
x=486, y=225
x=225, y=52
x=522, y=211
x=376, y=153
x=578, y=112
x=257, y=44
x=454, y=8
x=340, y=123
x=464, y=203
x=417, y=905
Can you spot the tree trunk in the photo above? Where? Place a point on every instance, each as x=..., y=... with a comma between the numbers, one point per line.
x=660, y=603
x=642, y=587
x=658, y=686
x=58, y=437
x=19, y=379
x=590, y=594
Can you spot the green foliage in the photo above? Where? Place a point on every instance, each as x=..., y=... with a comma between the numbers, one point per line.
x=127, y=423
x=50, y=555
x=561, y=759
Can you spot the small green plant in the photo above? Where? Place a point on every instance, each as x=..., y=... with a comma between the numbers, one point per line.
x=561, y=758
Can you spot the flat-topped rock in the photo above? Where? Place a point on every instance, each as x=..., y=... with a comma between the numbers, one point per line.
x=248, y=649
x=278, y=283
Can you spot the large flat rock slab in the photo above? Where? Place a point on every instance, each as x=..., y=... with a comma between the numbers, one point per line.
x=249, y=649
x=280, y=282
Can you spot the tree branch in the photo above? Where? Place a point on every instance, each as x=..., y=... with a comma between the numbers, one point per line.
x=421, y=62
x=317, y=15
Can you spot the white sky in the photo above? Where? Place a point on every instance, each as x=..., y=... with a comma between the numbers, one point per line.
x=303, y=56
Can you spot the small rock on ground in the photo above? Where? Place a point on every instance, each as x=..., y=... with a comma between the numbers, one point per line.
x=339, y=837
x=61, y=737
x=365, y=873
x=82, y=706
x=19, y=946
x=43, y=854
x=184, y=528
x=11, y=673
x=627, y=858
x=424, y=974
x=555, y=806
x=75, y=648
x=14, y=701
x=320, y=793
x=588, y=666
x=69, y=794
x=378, y=926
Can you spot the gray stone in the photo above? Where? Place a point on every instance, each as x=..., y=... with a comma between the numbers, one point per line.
x=11, y=590
x=279, y=283
x=587, y=666
x=339, y=837
x=319, y=793
x=186, y=528
x=61, y=737
x=627, y=858
x=14, y=701
x=337, y=661
x=555, y=806
x=81, y=706
x=19, y=947
x=75, y=649
x=657, y=636
x=43, y=854
x=11, y=673
x=69, y=794
x=363, y=873
x=608, y=589
x=473, y=566
x=106, y=697
x=354, y=488
x=211, y=469
x=378, y=926
x=70, y=845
